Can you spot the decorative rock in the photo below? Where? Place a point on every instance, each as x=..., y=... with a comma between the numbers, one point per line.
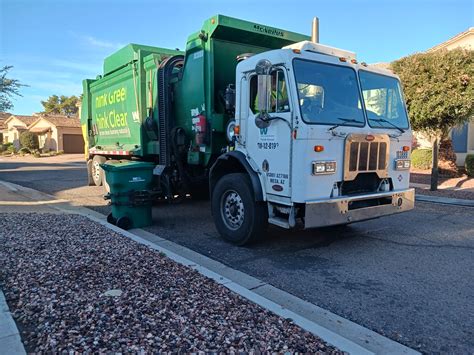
x=54, y=269
x=113, y=293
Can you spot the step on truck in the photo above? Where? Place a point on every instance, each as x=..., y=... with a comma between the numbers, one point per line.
x=272, y=126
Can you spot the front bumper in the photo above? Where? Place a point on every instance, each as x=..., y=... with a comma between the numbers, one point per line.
x=344, y=210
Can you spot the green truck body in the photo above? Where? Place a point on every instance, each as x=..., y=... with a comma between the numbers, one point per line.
x=116, y=105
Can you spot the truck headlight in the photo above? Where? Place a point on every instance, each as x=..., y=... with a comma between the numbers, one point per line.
x=324, y=167
x=402, y=164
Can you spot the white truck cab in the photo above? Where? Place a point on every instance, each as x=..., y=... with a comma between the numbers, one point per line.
x=327, y=140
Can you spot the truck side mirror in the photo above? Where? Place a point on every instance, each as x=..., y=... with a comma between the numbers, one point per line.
x=263, y=92
x=264, y=82
x=263, y=70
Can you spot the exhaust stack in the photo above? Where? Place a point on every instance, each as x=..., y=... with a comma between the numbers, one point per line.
x=315, y=31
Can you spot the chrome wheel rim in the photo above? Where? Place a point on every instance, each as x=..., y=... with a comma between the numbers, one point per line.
x=232, y=210
x=96, y=172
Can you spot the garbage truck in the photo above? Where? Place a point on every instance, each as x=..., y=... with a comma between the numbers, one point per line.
x=271, y=125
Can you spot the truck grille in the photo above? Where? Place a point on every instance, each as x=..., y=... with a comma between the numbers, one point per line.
x=364, y=156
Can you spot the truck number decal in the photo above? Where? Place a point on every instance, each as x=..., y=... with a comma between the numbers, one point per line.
x=267, y=145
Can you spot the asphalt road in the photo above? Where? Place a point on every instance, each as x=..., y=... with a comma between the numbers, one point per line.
x=409, y=277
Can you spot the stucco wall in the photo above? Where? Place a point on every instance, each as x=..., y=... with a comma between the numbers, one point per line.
x=466, y=42
x=12, y=135
x=49, y=139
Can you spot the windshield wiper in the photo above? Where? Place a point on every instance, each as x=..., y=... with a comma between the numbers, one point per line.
x=386, y=121
x=343, y=123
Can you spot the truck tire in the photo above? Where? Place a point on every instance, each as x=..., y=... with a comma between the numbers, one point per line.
x=238, y=218
x=96, y=171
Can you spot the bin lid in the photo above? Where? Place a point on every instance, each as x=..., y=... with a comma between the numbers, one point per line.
x=127, y=165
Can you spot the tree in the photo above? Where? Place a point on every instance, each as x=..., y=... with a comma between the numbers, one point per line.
x=8, y=89
x=29, y=140
x=439, y=91
x=61, y=105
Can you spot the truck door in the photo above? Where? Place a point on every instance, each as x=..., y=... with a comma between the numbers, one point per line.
x=270, y=148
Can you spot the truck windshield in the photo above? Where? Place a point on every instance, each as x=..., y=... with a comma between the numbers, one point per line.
x=383, y=101
x=328, y=94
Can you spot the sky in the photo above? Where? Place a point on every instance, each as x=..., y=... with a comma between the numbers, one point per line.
x=54, y=45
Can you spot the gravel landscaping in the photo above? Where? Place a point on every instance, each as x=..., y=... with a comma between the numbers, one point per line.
x=74, y=285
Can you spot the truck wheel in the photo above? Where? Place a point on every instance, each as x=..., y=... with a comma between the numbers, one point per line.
x=96, y=171
x=238, y=218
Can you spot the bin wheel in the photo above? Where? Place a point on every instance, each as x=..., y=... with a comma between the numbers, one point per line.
x=124, y=223
x=111, y=219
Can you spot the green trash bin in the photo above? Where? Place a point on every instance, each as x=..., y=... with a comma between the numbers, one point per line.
x=130, y=193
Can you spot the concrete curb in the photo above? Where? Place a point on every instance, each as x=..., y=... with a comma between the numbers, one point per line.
x=10, y=341
x=340, y=332
x=444, y=200
x=441, y=188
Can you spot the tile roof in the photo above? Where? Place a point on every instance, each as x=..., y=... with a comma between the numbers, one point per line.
x=62, y=121
x=4, y=115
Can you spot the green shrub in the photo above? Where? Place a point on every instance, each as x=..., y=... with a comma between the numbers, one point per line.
x=37, y=155
x=29, y=140
x=52, y=153
x=59, y=152
x=421, y=158
x=469, y=164
x=24, y=150
x=4, y=147
x=11, y=149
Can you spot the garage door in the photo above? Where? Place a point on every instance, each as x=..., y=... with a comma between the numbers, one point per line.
x=73, y=143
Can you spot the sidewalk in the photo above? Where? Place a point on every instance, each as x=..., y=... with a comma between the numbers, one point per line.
x=82, y=287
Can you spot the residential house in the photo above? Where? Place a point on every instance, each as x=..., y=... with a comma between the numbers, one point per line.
x=14, y=126
x=57, y=132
